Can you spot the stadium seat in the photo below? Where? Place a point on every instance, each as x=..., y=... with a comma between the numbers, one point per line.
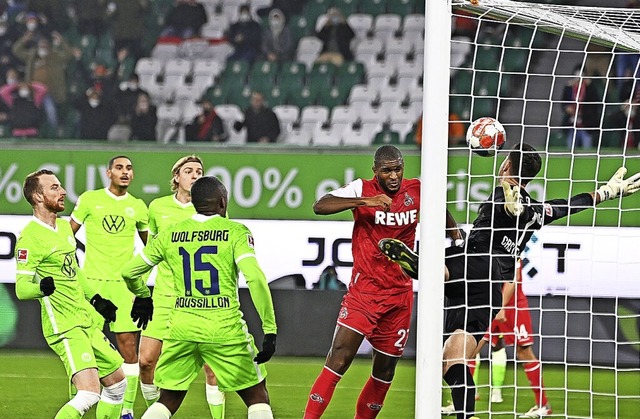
x=164, y=52
x=393, y=94
x=207, y=67
x=299, y=27
x=360, y=135
x=262, y=75
x=328, y=136
x=238, y=69
x=413, y=25
x=386, y=136
x=411, y=69
x=361, y=24
x=297, y=137
x=315, y=8
x=301, y=97
x=229, y=114
x=287, y=114
x=416, y=95
x=220, y=51
x=515, y=60
x=373, y=7
x=169, y=120
x=161, y=93
x=176, y=70
x=386, y=25
x=487, y=58
x=401, y=7
x=385, y=68
x=215, y=27
x=370, y=114
x=403, y=46
x=309, y=45
x=347, y=7
x=188, y=93
x=350, y=73
x=314, y=114
x=344, y=114
x=407, y=83
x=402, y=115
x=240, y=97
x=203, y=81
x=291, y=75
x=369, y=45
x=332, y=96
x=189, y=111
x=147, y=70
x=362, y=93
x=275, y=96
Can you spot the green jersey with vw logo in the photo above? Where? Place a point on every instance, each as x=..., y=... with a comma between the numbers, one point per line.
x=205, y=254
x=111, y=224
x=44, y=251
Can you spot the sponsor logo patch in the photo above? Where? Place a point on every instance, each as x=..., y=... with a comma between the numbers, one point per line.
x=343, y=313
x=316, y=398
x=250, y=240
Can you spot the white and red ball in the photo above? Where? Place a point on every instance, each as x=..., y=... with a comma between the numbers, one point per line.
x=485, y=136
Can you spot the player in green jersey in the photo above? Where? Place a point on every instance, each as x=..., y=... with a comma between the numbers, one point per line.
x=112, y=218
x=47, y=270
x=205, y=254
x=163, y=213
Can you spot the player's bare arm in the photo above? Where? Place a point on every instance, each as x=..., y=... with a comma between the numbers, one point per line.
x=452, y=229
x=74, y=226
x=144, y=236
x=330, y=204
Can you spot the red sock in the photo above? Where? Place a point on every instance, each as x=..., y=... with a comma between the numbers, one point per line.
x=371, y=398
x=472, y=365
x=534, y=374
x=321, y=393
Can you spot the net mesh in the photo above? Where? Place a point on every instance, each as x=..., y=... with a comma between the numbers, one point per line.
x=563, y=79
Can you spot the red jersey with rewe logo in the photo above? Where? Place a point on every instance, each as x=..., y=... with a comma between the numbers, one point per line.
x=372, y=271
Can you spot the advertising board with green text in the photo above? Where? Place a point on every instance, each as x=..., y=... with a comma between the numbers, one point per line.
x=284, y=185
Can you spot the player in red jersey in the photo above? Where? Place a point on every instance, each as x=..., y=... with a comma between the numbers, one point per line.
x=513, y=324
x=380, y=297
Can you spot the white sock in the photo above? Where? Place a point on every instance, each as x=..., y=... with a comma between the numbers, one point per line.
x=149, y=391
x=114, y=394
x=260, y=411
x=214, y=396
x=83, y=401
x=157, y=411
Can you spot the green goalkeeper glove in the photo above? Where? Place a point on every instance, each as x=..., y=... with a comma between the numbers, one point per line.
x=268, y=348
x=105, y=307
x=512, y=202
x=617, y=186
x=47, y=287
x=142, y=311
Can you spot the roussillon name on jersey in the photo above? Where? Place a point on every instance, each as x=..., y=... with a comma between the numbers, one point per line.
x=199, y=236
x=207, y=303
x=396, y=218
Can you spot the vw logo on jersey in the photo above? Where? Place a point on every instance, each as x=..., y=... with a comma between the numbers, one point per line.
x=68, y=266
x=113, y=223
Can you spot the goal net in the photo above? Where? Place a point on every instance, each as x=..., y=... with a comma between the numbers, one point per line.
x=564, y=79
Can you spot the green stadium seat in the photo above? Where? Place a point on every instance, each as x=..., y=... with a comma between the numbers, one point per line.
x=386, y=137
x=374, y=7
x=333, y=96
x=461, y=106
x=301, y=97
x=275, y=96
x=292, y=74
x=487, y=58
x=515, y=60
x=240, y=97
x=401, y=7
x=300, y=27
x=486, y=83
x=483, y=106
x=262, y=75
x=321, y=74
x=347, y=7
x=462, y=82
x=237, y=69
x=313, y=10
x=349, y=74
x=217, y=94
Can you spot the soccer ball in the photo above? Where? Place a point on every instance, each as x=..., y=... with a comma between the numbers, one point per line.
x=485, y=136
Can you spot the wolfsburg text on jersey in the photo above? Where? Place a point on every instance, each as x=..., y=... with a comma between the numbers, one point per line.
x=199, y=236
x=206, y=303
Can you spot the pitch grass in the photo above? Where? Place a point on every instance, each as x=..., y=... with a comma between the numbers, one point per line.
x=33, y=385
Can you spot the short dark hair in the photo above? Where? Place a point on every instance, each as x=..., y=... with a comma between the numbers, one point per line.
x=32, y=184
x=206, y=193
x=525, y=162
x=385, y=153
x=116, y=158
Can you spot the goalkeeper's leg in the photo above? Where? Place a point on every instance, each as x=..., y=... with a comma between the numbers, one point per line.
x=401, y=254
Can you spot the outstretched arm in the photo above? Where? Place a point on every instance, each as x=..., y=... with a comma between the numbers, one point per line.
x=331, y=204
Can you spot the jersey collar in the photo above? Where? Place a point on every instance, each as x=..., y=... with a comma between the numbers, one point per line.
x=116, y=197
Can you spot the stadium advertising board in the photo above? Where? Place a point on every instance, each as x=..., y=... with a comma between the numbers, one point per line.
x=574, y=261
x=284, y=185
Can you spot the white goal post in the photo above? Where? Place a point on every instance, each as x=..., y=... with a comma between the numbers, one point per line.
x=561, y=78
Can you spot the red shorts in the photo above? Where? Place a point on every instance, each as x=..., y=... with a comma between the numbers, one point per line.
x=383, y=319
x=517, y=330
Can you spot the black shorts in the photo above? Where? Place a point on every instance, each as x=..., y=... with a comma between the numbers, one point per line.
x=473, y=292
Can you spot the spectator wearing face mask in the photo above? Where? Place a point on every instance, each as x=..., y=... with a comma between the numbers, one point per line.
x=336, y=36
x=24, y=102
x=96, y=116
x=277, y=43
x=245, y=36
x=184, y=20
x=207, y=126
x=46, y=63
x=144, y=119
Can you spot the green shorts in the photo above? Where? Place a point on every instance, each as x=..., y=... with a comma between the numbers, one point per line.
x=81, y=348
x=119, y=294
x=180, y=363
x=157, y=328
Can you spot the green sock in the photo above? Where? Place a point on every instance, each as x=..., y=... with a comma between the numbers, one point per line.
x=131, y=373
x=215, y=398
x=108, y=411
x=68, y=412
x=498, y=367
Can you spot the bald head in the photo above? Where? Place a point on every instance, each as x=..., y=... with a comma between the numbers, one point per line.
x=209, y=196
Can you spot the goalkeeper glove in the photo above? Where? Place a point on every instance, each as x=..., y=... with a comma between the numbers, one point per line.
x=617, y=186
x=512, y=202
x=105, y=307
x=268, y=348
x=47, y=287
x=142, y=311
